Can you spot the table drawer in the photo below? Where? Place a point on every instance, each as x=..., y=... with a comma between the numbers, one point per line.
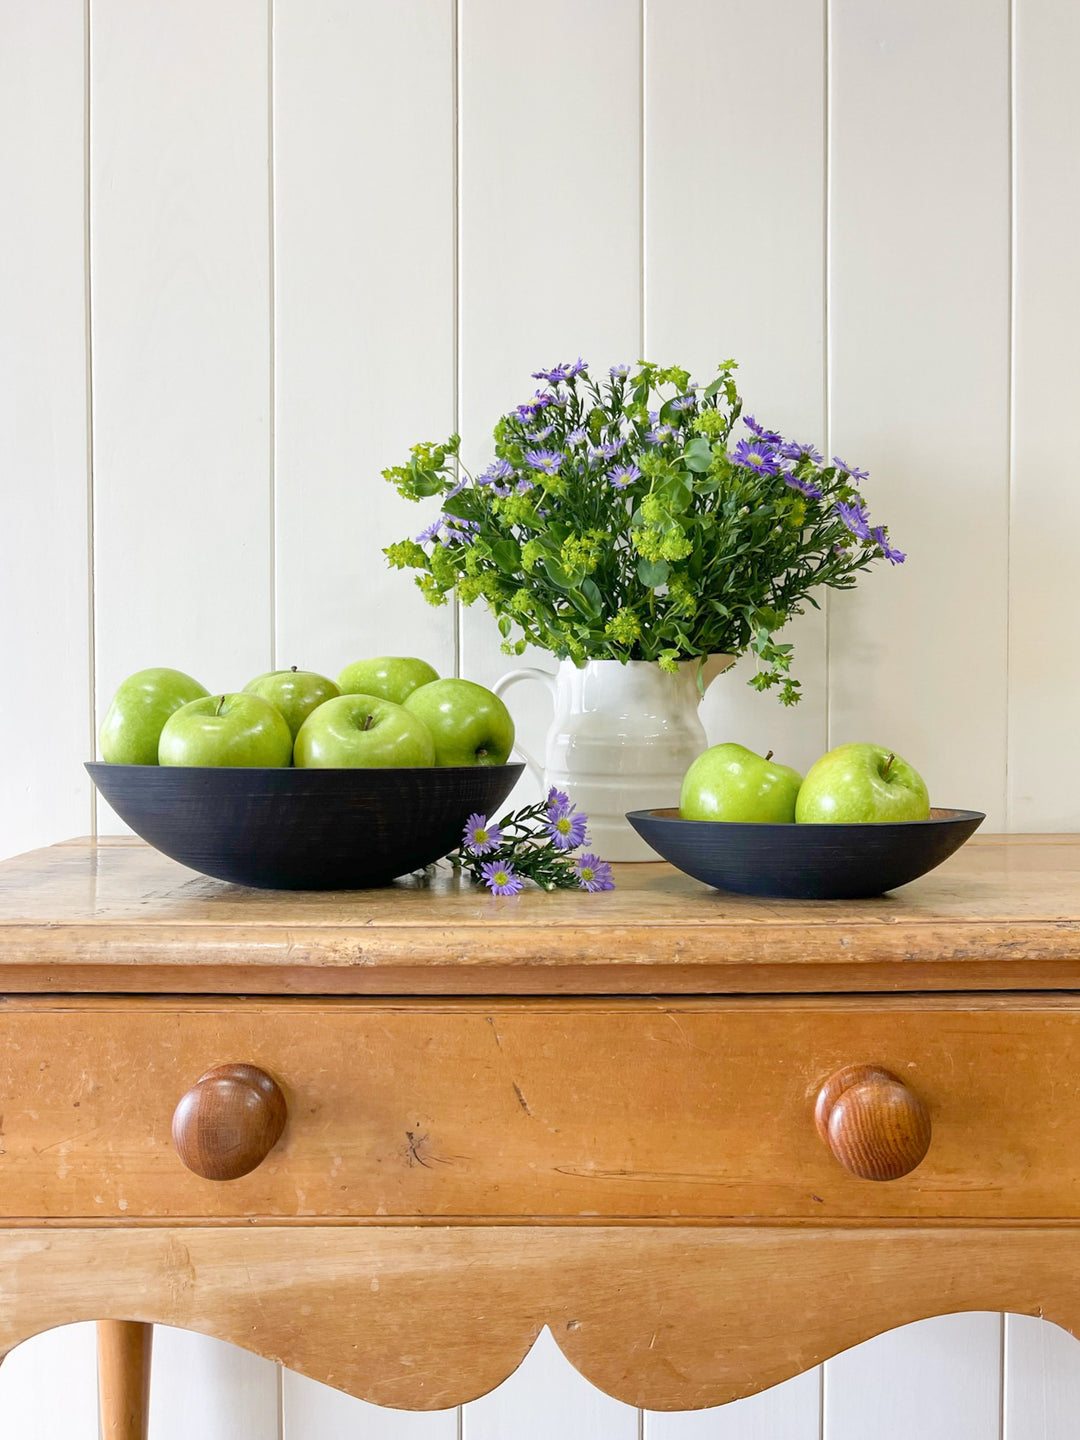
x=632, y=1109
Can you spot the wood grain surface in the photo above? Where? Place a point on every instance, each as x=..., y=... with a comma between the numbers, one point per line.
x=425, y=1318
x=1003, y=913
x=534, y=1110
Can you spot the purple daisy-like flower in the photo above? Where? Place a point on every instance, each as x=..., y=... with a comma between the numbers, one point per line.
x=804, y=487
x=607, y=451
x=619, y=372
x=567, y=828
x=541, y=434
x=482, y=835
x=460, y=532
x=624, y=475
x=523, y=485
x=552, y=376
x=576, y=368
x=773, y=437
x=456, y=489
x=577, y=437
x=496, y=471
x=756, y=455
x=558, y=801
x=547, y=461
x=430, y=533
x=852, y=470
x=500, y=879
x=854, y=517
x=894, y=556
x=792, y=450
x=658, y=434
x=683, y=402
x=593, y=873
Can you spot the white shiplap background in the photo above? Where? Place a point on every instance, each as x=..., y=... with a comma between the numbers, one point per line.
x=252, y=249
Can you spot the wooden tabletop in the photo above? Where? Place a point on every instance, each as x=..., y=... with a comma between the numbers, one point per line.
x=116, y=916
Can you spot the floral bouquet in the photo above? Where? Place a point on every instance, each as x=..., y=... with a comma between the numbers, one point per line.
x=620, y=520
x=536, y=843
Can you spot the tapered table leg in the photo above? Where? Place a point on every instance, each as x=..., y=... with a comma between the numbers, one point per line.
x=124, y=1351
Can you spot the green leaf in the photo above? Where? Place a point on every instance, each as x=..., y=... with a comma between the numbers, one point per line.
x=717, y=385
x=506, y=554
x=427, y=482
x=463, y=506
x=698, y=455
x=653, y=572
x=505, y=626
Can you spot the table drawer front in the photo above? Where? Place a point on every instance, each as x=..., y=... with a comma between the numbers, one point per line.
x=561, y=1110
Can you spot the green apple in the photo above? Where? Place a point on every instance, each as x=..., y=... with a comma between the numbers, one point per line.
x=226, y=730
x=854, y=784
x=362, y=732
x=730, y=782
x=295, y=693
x=388, y=677
x=131, y=729
x=469, y=724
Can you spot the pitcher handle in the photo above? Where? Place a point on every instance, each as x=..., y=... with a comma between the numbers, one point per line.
x=503, y=684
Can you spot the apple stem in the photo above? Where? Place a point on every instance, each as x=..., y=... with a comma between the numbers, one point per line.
x=888, y=762
x=769, y=755
x=369, y=720
x=293, y=668
x=220, y=703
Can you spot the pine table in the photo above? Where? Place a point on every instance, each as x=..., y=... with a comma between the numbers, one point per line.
x=384, y=1137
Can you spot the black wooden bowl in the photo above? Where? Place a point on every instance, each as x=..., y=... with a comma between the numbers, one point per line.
x=806, y=862
x=295, y=829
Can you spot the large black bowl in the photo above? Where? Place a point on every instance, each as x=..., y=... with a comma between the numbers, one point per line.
x=806, y=862
x=298, y=829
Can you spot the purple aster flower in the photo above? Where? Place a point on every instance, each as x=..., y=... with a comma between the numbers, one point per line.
x=658, y=434
x=542, y=434
x=558, y=801
x=894, y=557
x=607, y=451
x=852, y=470
x=456, y=489
x=773, y=437
x=624, y=475
x=496, y=471
x=546, y=460
x=431, y=533
x=792, y=450
x=854, y=518
x=482, y=835
x=619, y=372
x=594, y=873
x=576, y=437
x=757, y=455
x=567, y=828
x=500, y=879
x=804, y=487
x=683, y=402
x=523, y=485
x=552, y=376
x=460, y=532
x=576, y=368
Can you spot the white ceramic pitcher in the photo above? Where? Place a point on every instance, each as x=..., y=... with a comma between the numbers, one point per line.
x=622, y=738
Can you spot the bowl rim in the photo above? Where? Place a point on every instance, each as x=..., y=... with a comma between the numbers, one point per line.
x=91, y=765
x=669, y=815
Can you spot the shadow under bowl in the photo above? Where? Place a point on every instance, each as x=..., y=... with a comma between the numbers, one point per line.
x=297, y=829
x=806, y=862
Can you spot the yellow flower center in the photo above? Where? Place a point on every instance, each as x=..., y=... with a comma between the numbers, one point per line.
x=562, y=825
x=587, y=872
x=501, y=877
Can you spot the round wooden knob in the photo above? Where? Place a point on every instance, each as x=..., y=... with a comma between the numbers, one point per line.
x=874, y=1125
x=229, y=1121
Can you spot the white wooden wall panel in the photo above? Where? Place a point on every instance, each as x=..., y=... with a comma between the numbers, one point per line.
x=34, y=1405
x=545, y=1398
x=919, y=380
x=1044, y=648
x=205, y=1388
x=938, y=1379
x=44, y=588
x=1042, y=1380
x=790, y=1411
x=735, y=264
x=364, y=303
x=316, y=1412
x=181, y=338
x=550, y=224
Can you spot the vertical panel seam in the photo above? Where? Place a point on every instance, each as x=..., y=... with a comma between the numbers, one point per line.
x=1001, y=1380
x=1010, y=418
x=280, y=1402
x=642, y=183
x=88, y=323
x=455, y=87
x=823, y=1371
x=826, y=325
x=272, y=321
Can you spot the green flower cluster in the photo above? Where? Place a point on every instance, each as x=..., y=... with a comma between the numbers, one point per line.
x=619, y=520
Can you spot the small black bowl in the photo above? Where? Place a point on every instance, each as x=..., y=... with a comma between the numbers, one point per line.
x=806, y=862
x=297, y=829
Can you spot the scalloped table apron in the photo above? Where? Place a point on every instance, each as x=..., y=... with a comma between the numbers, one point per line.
x=385, y=1137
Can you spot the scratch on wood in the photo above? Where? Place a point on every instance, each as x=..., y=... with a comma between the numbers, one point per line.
x=521, y=1098
x=495, y=1032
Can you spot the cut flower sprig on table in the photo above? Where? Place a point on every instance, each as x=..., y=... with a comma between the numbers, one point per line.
x=621, y=519
x=536, y=843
